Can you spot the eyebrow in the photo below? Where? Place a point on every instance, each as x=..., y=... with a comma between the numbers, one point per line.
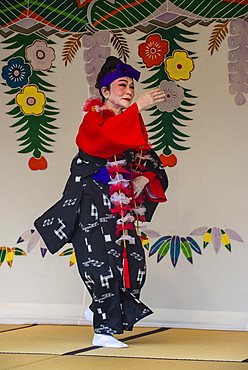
x=132, y=83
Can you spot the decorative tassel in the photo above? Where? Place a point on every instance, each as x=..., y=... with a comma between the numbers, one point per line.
x=126, y=274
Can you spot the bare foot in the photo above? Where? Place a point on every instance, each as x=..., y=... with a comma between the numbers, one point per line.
x=105, y=340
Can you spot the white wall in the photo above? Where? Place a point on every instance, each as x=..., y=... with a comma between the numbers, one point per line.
x=207, y=188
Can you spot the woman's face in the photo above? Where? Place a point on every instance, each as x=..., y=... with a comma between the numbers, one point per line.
x=120, y=95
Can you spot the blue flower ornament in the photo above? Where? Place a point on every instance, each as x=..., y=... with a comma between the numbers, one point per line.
x=16, y=73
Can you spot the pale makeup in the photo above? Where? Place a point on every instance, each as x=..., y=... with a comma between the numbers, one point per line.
x=120, y=95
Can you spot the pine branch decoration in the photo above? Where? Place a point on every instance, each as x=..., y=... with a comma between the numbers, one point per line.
x=71, y=47
x=218, y=35
x=120, y=44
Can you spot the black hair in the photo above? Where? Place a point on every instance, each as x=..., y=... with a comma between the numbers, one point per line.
x=108, y=67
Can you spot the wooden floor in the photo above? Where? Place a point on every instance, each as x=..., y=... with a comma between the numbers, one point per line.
x=53, y=347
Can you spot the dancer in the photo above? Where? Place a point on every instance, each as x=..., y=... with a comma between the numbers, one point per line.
x=116, y=182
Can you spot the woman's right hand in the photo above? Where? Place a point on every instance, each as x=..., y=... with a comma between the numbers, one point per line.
x=150, y=98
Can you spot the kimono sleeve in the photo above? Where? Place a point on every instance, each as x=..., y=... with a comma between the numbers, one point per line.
x=105, y=137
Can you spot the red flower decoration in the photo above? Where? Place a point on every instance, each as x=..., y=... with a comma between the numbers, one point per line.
x=119, y=188
x=37, y=163
x=120, y=228
x=153, y=50
x=168, y=160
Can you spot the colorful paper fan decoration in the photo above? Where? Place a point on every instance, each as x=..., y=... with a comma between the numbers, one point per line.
x=7, y=254
x=217, y=236
x=144, y=238
x=175, y=244
x=70, y=252
x=33, y=238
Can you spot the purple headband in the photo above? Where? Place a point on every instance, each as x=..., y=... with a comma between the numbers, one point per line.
x=123, y=70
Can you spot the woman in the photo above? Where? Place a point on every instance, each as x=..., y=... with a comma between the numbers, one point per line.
x=115, y=183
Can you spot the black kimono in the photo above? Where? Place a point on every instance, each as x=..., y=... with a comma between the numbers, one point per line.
x=86, y=216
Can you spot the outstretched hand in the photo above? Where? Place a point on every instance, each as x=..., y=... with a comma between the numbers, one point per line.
x=139, y=183
x=150, y=98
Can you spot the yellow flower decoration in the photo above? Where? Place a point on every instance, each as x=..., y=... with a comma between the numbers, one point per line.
x=31, y=100
x=179, y=66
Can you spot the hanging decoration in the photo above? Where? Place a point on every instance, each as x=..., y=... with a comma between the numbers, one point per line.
x=33, y=238
x=237, y=42
x=217, y=236
x=238, y=57
x=7, y=254
x=33, y=111
x=175, y=244
x=70, y=252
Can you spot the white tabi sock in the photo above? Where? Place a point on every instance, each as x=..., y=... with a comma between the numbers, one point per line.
x=105, y=340
x=88, y=314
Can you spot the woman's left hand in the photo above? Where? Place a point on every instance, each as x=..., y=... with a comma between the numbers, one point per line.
x=150, y=98
x=139, y=183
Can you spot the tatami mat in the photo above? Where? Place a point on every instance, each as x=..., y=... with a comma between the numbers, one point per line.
x=185, y=344
x=37, y=347
x=12, y=327
x=35, y=362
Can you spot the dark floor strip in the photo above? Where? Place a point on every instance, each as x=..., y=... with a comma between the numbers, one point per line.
x=145, y=334
x=124, y=340
x=245, y=360
x=20, y=328
x=80, y=351
x=126, y=357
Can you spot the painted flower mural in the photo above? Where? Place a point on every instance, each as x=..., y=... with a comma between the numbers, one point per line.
x=16, y=73
x=164, y=130
x=40, y=55
x=179, y=66
x=217, y=236
x=153, y=50
x=31, y=100
x=32, y=107
x=174, y=96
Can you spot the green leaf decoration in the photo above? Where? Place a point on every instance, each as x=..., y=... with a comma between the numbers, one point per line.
x=144, y=240
x=225, y=240
x=18, y=251
x=155, y=247
x=175, y=244
x=163, y=250
x=67, y=252
x=185, y=247
x=3, y=252
x=207, y=237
